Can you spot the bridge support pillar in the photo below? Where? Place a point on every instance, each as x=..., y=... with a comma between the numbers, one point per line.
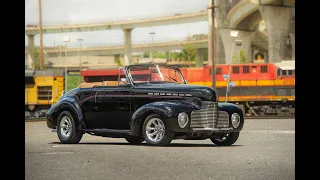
x=246, y=46
x=31, y=44
x=227, y=44
x=278, y=22
x=246, y=37
x=200, y=57
x=127, y=47
x=292, y=38
x=221, y=22
x=30, y=50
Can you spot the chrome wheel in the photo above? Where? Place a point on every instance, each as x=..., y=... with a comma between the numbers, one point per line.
x=155, y=130
x=65, y=126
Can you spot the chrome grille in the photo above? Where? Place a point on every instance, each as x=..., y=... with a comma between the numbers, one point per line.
x=204, y=118
x=208, y=105
x=222, y=121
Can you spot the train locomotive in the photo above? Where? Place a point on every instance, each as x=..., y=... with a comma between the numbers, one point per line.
x=43, y=88
x=259, y=89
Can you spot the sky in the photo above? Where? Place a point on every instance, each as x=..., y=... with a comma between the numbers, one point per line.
x=56, y=12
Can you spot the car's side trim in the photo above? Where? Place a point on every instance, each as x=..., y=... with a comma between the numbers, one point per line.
x=134, y=95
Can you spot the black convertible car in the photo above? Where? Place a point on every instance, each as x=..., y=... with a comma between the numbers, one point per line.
x=149, y=103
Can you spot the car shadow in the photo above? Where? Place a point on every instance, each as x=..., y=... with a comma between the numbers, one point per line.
x=145, y=144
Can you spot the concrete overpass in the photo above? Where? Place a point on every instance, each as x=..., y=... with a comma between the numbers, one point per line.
x=91, y=51
x=126, y=26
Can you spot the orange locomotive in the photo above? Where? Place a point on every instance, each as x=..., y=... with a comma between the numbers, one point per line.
x=265, y=89
x=262, y=89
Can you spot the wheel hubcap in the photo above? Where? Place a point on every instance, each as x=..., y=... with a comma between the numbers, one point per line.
x=65, y=126
x=155, y=130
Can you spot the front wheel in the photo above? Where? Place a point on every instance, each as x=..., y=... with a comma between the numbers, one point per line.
x=225, y=139
x=67, y=130
x=155, y=131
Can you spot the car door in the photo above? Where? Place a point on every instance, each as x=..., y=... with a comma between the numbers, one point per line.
x=112, y=107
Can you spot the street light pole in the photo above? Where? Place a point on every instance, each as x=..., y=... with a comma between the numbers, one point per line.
x=40, y=29
x=229, y=70
x=80, y=40
x=234, y=35
x=66, y=69
x=66, y=40
x=152, y=34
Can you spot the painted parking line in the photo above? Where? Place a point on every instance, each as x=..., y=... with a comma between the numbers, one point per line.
x=58, y=146
x=274, y=131
x=58, y=153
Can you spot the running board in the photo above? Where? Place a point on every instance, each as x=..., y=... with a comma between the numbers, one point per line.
x=109, y=131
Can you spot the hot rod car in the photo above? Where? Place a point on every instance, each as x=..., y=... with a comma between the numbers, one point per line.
x=149, y=103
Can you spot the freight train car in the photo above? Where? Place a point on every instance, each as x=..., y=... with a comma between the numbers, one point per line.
x=262, y=89
x=42, y=89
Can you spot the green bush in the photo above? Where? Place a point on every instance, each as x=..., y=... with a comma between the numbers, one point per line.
x=74, y=81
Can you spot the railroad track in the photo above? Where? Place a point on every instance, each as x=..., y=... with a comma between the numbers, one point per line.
x=246, y=117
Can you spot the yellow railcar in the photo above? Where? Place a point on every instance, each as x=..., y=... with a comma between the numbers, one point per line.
x=43, y=88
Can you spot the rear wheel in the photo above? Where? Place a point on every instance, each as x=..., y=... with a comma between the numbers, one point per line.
x=155, y=131
x=226, y=139
x=67, y=130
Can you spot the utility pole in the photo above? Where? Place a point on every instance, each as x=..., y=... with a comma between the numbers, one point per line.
x=41, y=42
x=211, y=41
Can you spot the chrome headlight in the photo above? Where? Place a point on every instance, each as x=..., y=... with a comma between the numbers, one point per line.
x=183, y=119
x=235, y=120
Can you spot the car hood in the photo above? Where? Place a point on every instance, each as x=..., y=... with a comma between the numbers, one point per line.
x=203, y=92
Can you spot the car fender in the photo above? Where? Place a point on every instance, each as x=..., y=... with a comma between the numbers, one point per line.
x=66, y=103
x=166, y=109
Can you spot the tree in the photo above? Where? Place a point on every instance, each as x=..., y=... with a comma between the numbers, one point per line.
x=199, y=36
x=167, y=55
x=158, y=55
x=146, y=54
x=35, y=55
x=176, y=56
x=242, y=59
x=189, y=53
x=118, y=60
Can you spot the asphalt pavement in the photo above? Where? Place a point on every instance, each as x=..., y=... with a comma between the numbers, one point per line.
x=264, y=150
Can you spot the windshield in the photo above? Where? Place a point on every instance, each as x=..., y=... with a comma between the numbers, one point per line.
x=155, y=74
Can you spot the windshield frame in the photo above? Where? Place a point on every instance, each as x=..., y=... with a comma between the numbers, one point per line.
x=156, y=66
